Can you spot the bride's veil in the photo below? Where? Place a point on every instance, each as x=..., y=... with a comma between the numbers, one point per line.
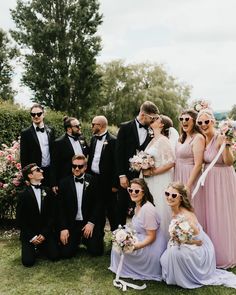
x=173, y=137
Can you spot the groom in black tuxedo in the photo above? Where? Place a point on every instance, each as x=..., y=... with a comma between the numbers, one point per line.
x=35, y=217
x=36, y=143
x=133, y=136
x=101, y=164
x=79, y=211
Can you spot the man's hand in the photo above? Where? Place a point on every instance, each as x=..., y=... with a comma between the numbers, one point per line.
x=124, y=182
x=114, y=189
x=55, y=189
x=88, y=230
x=64, y=235
x=38, y=240
x=41, y=238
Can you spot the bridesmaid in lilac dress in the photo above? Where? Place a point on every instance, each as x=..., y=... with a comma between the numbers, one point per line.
x=144, y=262
x=216, y=208
x=189, y=150
x=190, y=263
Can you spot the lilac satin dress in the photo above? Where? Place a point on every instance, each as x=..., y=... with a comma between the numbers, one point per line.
x=143, y=264
x=191, y=266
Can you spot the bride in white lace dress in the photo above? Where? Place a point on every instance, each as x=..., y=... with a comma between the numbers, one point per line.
x=159, y=177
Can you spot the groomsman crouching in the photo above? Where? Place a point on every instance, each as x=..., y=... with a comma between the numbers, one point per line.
x=35, y=217
x=79, y=211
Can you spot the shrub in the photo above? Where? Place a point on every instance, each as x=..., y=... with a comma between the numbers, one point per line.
x=10, y=179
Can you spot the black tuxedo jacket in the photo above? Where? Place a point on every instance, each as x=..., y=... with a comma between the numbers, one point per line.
x=30, y=151
x=127, y=145
x=68, y=204
x=30, y=220
x=107, y=166
x=62, y=156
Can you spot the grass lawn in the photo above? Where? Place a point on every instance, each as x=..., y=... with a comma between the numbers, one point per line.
x=80, y=275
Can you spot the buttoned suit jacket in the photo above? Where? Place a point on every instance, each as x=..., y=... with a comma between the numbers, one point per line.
x=107, y=167
x=30, y=220
x=127, y=145
x=30, y=151
x=68, y=203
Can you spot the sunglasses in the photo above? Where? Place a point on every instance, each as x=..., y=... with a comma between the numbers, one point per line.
x=74, y=166
x=174, y=195
x=205, y=122
x=153, y=118
x=93, y=124
x=77, y=126
x=38, y=169
x=136, y=191
x=36, y=114
x=184, y=119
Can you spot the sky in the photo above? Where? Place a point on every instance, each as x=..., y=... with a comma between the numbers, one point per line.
x=195, y=41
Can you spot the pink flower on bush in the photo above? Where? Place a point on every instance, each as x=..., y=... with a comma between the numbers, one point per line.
x=5, y=185
x=18, y=166
x=10, y=158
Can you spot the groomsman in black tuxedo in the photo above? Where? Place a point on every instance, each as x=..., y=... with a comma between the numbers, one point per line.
x=101, y=165
x=36, y=143
x=65, y=147
x=34, y=213
x=133, y=136
x=79, y=211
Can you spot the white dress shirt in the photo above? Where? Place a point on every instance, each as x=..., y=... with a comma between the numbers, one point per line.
x=76, y=146
x=44, y=146
x=37, y=192
x=97, y=154
x=142, y=133
x=79, y=193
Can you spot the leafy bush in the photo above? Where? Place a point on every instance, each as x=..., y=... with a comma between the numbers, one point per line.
x=10, y=179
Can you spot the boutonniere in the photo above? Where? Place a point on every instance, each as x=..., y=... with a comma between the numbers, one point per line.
x=105, y=142
x=82, y=142
x=86, y=184
x=150, y=132
x=43, y=193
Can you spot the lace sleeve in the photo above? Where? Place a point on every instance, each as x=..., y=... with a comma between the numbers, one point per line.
x=166, y=151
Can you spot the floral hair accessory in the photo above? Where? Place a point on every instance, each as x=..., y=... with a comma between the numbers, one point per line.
x=200, y=105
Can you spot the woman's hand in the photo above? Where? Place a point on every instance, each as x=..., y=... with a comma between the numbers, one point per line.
x=147, y=172
x=194, y=242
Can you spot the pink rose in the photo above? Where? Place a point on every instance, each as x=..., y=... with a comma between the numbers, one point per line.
x=5, y=185
x=18, y=166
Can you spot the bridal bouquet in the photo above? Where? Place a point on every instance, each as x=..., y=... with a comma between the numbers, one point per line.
x=141, y=161
x=123, y=239
x=180, y=231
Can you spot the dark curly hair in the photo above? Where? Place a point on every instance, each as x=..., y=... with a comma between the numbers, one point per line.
x=147, y=195
x=193, y=114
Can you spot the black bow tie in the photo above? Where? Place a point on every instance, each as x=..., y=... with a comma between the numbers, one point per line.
x=100, y=137
x=81, y=179
x=142, y=126
x=40, y=129
x=37, y=186
x=74, y=137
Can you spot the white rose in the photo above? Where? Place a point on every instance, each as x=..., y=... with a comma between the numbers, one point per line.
x=185, y=226
x=121, y=236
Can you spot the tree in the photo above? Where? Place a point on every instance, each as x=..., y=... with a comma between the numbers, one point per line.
x=125, y=87
x=232, y=113
x=7, y=54
x=59, y=42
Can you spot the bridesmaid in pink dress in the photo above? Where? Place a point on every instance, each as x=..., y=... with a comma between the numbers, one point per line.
x=189, y=150
x=216, y=208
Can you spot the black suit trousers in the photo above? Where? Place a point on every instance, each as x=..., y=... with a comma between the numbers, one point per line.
x=29, y=251
x=94, y=244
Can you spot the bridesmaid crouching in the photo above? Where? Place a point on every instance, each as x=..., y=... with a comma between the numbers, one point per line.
x=189, y=260
x=144, y=262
